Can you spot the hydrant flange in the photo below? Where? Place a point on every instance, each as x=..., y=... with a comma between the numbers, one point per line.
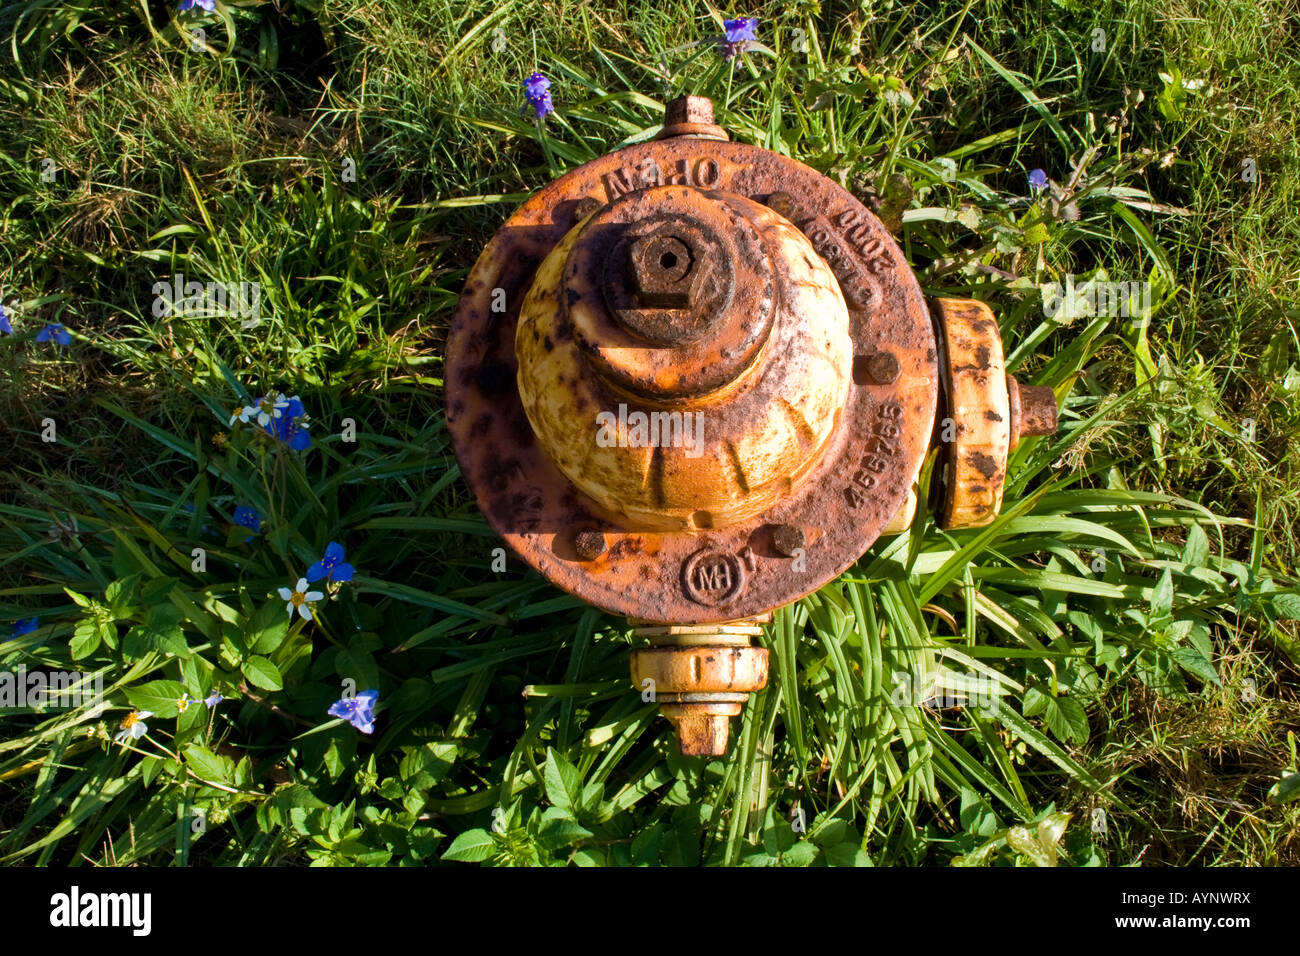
x=709, y=569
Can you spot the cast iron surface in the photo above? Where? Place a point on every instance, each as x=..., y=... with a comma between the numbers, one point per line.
x=725, y=573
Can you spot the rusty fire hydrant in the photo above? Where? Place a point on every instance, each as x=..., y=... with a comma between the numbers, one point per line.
x=692, y=381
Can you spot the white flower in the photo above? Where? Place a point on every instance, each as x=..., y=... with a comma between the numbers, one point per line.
x=242, y=414
x=300, y=598
x=133, y=726
x=267, y=409
x=270, y=408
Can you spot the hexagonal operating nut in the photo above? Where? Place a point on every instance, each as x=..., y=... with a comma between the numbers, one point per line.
x=664, y=270
x=689, y=109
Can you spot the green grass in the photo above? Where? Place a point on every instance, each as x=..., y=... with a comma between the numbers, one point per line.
x=1134, y=607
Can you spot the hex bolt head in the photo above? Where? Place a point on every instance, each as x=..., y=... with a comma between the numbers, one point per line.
x=590, y=544
x=784, y=204
x=883, y=367
x=585, y=207
x=689, y=109
x=787, y=539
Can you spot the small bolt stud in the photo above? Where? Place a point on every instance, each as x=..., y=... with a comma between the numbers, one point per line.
x=883, y=367
x=787, y=539
x=589, y=544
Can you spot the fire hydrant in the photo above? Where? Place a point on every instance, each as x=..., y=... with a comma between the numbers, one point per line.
x=692, y=381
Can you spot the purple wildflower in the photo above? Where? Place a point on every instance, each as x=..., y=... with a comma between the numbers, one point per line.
x=5, y=327
x=331, y=565
x=359, y=711
x=537, y=91
x=213, y=699
x=1037, y=180
x=738, y=35
x=741, y=29
x=208, y=5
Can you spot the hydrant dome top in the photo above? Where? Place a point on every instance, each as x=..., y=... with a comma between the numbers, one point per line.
x=695, y=365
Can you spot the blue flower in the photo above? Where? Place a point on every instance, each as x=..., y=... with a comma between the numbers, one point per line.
x=54, y=332
x=208, y=5
x=738, y=35
x=331, y=565
x=537, y=91
x=293, y=433
x=213, y=699
x=359, y=711
x=248, y=518
x=5, y=327
x=740, y=30
x=286, y=425
x=1037, y=180
x=24, y=626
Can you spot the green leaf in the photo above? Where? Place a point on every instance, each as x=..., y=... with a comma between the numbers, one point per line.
x=563, y=783
x=262, y=673
x=1162, y=597
x=1197, y=551
x=1287, y=606
x=1288, y=788
x=142, y=639
x=472, y=846
x=1036, y=234
x=85, y=640
x=1064, y=716
x=265, y=631
x=801, y=854
x=646, y=844
x=424, y=766
x=1192, y=661
x=559, y=830
x=118, y=594
x=208, y=765
x=778, y=838
x=846, y=854
x=159, y=696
